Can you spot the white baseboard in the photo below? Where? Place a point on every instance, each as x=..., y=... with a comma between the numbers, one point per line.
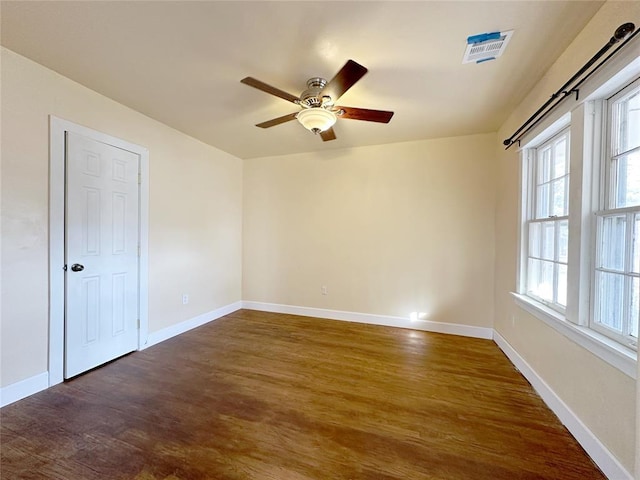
x=24, y=388
x=169, y=332
x=388, y=321
x=609, y=464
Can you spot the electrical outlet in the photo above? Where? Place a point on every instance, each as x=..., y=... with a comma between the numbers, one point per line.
x=185, y=298
x=323, y=290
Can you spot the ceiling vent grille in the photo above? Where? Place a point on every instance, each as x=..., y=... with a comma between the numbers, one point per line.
x=486, y=46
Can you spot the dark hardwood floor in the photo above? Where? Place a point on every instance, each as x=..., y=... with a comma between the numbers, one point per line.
x=257, y=395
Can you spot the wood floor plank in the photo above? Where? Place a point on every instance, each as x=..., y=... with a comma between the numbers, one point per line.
x=258, y=395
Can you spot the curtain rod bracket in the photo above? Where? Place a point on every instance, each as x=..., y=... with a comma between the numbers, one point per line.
x=509, y=143
x=566, y=93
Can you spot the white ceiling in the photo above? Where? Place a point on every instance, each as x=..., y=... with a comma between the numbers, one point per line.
x=181, y=62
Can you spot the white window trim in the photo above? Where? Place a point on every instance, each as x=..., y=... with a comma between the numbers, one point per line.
x=585, y=114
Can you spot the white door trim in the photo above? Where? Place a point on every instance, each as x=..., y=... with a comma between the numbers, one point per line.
x=57, y=129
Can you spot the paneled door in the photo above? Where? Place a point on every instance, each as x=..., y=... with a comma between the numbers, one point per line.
x=101, y=253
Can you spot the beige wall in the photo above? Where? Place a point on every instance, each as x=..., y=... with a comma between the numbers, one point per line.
x=602, y=396
x=389, y=229
x=195, y=213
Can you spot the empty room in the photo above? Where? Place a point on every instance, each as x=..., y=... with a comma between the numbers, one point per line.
x=304, y=240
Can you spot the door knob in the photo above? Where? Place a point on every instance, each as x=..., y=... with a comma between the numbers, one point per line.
x=76, y=267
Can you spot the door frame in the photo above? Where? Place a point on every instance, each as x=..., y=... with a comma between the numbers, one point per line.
x=57, y=179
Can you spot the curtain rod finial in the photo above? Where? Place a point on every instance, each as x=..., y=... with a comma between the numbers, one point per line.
x=623, y=30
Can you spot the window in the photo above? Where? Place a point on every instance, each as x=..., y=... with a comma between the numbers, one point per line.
x=548, y=224
x=579, y=259
x=617, y=266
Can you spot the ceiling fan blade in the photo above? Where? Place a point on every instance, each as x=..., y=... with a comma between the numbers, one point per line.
x=344, y=80
x=277, y=121
x=381, y=116
x=252, y=82
x=328, y=135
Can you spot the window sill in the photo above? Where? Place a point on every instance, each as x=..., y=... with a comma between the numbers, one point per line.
x=616, y=355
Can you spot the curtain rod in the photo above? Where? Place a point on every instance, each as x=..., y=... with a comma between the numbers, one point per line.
x=624, y=32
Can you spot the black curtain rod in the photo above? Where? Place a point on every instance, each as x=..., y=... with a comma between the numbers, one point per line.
x=623, y=32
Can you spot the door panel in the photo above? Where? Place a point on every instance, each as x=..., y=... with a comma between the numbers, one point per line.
x=101, y=235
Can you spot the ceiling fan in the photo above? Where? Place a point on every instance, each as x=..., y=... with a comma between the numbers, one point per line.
x=319, y=111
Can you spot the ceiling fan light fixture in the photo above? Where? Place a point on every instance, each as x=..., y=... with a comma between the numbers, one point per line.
x=317, y=119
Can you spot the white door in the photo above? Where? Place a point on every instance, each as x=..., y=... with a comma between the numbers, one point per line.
x=101, y=253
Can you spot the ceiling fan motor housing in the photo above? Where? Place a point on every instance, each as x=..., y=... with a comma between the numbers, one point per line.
x=312, y=97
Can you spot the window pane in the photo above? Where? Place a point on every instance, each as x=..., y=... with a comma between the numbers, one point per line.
x=626, y=172
x=542, y=201
x=533, y=276
x=562, y=285
x=560, y=158
x=540, y=279
x=609, y=302
x=545, y=287
x=626, y=123
x=548, y=240
x=635, y=293
x=612, y=242
x=534, y=240
x=633, y=121
x=635, y=267
x=559, y=187
x=544, y=165
x=563, y=240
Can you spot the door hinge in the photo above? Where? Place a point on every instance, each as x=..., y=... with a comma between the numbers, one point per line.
x=138, y=323
x=139, y=250
x=139, y=179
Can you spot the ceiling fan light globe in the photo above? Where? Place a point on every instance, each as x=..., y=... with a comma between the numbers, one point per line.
x=316, y=119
